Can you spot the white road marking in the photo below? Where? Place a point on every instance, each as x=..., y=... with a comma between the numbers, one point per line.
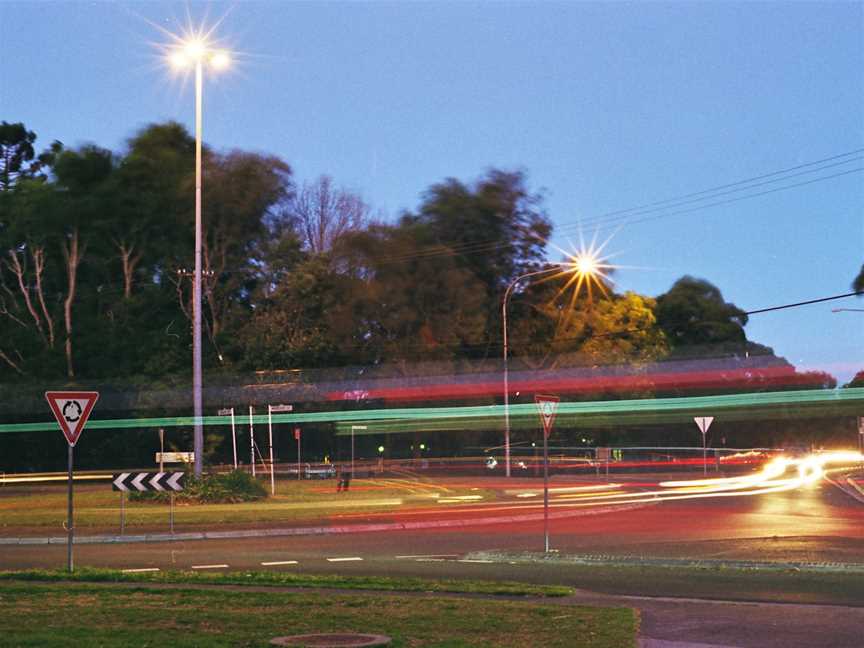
x=279, y=562
x=143, y=569
x=466, y=560
x=352, y=558
x=209, y=566
x=430, y=556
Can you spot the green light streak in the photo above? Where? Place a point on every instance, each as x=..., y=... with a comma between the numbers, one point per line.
x=805, y=403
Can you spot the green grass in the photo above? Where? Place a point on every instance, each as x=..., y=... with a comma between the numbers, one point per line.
x=97, y=507
x=283, y=579
x=712, y=582
x=80, y=614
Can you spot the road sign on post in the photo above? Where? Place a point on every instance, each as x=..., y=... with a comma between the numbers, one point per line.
x=547, y=406
x=146, y=481
x=71, y=409
x=704, y=422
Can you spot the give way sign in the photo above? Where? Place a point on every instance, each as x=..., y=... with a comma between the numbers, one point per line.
x=547, y=406
x=71, y=409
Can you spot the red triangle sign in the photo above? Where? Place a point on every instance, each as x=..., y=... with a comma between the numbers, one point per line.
x=72, y=409
x=547, y=406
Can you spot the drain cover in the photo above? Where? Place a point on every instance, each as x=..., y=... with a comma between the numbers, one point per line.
x=333, y=640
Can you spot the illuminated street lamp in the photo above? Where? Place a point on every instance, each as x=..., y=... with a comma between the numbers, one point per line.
x=197, y=52
x=584, y=268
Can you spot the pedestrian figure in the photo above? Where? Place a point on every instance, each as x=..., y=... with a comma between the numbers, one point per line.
x=343, y=479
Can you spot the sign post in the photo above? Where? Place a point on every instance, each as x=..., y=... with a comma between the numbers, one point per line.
x=71, y=409
x=547, y=406
x=861, y=434
x=251, y=442
x=270, y=410
x=297, y=437
x=226, y=412
x=704, y=422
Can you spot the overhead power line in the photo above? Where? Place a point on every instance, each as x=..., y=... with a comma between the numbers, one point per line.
x=659, y=209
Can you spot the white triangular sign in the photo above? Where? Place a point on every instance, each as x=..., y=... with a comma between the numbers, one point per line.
x=704, y=422
x=72, y=409
x=547, y=406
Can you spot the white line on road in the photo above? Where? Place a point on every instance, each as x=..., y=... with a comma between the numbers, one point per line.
x=279, y=562
x=351, y=559
x=209, y=566
x=143, y=569
x=429, y=556
x=466, y=560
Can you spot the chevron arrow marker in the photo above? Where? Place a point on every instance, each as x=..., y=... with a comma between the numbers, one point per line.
x=137, y=481
x=118, y=482
x=154, y=482
x=173, y=480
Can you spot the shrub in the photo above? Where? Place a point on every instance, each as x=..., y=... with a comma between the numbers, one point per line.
x=232, y=487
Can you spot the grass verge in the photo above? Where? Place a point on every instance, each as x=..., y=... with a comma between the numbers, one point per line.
x=768, y=584
x=282, y=579
x=26, y=511
x=64, y=614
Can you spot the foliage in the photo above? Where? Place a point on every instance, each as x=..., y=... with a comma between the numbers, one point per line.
x=693, y=313
x=213, y=488
x=388, y=583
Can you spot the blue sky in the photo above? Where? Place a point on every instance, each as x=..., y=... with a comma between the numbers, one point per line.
x=606, y=107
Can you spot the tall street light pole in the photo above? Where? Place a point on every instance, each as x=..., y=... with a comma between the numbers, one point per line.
x=198, y=52
x=507, y=294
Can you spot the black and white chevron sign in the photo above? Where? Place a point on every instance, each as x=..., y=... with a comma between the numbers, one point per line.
x=140, y=482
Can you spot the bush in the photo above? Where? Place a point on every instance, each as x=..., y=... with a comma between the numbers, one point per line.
x=236, y=486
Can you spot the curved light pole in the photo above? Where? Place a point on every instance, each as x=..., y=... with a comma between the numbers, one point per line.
x=507, y=293
x=197, y=52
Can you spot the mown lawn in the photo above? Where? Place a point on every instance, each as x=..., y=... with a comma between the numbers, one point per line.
x=80, y=614
x=98, y=507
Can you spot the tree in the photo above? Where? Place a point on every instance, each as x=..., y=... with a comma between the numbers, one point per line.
x=858, y=284
x=323, y=213
x=17, y=155
x=242, y=193
x=154, y=184
x=82, y=179
x=694, y=314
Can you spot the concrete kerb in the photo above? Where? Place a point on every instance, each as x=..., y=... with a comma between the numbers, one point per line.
x=643, y=561
x=319, y=530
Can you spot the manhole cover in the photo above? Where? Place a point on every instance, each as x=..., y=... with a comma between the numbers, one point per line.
x=333, y=640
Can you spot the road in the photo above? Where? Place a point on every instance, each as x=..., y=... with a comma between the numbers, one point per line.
x=814, y=523
x=818, y=522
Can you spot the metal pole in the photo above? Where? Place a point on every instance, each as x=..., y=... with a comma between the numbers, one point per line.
x=234, y=438
x=252, y=441
x=171, y=514
x=704, y=456
x=297, y=434
x=352, y=450
x=506, y=386
x=196, y=286
x=123, y=511
x=507, y=361
x=70, y=524
x=270, y=425
x=546, y=491
x=161, y=449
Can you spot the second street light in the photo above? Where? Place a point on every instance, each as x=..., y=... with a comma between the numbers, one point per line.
x=197, y=52
x=583, y=268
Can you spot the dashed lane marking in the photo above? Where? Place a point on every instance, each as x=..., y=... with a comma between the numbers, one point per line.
x=209, y=566
x=141, y=570
x=279, y=562
x=349, y=559
x=466, y=560
x=428, y=556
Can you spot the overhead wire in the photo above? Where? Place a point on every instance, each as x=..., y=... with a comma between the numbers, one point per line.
x=631, y=215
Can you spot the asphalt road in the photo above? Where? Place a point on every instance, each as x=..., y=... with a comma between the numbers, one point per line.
x=814, y=523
